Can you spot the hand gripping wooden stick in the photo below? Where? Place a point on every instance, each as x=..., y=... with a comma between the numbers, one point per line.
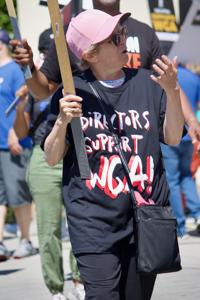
x=17, y=35
x=68, y=84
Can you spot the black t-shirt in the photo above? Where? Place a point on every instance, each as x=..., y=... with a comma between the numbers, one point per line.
x=50, y=67
x=35, y=108
x=142, y=45
x=99, y=210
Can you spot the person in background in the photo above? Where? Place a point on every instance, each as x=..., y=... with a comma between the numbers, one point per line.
x=14, y=156
x=178, y=161
x=44, y=182
x=99, y=210
x=195, y=169
x=195, y=166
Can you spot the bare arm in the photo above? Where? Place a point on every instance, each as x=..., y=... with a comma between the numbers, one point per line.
x=186, y=107
x=13, y=143
x=174, y=120
x=21, y=123
x=55, y=144
x=22, y=119
x=39, y=86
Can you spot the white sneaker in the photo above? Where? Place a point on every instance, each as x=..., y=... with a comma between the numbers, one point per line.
x=198, y=225
x=190, y=223
x=25, y=249
x=77, y=293
x=58, y=296
x=4, y=253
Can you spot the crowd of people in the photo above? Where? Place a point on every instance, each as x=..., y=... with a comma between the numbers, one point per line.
x=38, y=162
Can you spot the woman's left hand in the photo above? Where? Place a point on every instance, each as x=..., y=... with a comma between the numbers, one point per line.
x=167, y=73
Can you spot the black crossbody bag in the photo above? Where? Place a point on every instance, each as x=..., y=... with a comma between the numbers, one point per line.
x=154, y=226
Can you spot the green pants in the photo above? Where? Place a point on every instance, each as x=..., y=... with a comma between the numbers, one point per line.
x=45, y=184
x=74, y=268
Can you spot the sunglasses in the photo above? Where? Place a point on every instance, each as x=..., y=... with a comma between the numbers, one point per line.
x=118, y=37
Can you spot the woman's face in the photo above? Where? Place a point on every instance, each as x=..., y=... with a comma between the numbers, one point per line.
x=112, y=52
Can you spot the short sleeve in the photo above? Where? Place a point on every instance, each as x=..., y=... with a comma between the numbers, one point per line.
x=50, y=67
x=18, y=78
x=29, y=104
x=53, y=114
x=156, y=49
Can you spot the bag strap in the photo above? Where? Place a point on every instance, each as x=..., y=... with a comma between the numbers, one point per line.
x=121, y=153
x=38, y=121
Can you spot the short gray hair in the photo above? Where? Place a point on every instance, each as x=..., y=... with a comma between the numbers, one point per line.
x=84, y=64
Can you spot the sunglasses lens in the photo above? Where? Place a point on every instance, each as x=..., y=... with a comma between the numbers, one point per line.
x=116, y=38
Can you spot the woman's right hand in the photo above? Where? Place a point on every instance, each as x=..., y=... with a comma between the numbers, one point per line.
x=70, y=107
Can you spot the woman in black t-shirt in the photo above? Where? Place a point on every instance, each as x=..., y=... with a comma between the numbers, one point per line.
x=143, y=112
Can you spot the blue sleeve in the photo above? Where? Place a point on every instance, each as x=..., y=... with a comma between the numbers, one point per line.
x=53, y=114
x=199, y=91
x=18, y=78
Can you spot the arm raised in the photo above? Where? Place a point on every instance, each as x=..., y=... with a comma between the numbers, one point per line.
x=167, y=79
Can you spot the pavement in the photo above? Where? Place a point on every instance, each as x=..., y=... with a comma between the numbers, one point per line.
x=22, y=279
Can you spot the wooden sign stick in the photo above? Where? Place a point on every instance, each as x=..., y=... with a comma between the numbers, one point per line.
x=17, y=35
x=68, y=84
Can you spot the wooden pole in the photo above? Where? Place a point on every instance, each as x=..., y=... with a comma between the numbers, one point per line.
x=68, y=84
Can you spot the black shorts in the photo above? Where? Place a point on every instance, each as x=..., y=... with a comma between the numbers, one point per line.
x=14, y=190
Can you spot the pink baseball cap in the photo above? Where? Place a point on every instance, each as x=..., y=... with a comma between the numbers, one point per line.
x=91, y=27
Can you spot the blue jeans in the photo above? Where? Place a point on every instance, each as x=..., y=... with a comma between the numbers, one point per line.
x=177, y=162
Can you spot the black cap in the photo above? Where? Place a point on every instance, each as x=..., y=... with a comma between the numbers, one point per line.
x=4, y=37
x=45, y=40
